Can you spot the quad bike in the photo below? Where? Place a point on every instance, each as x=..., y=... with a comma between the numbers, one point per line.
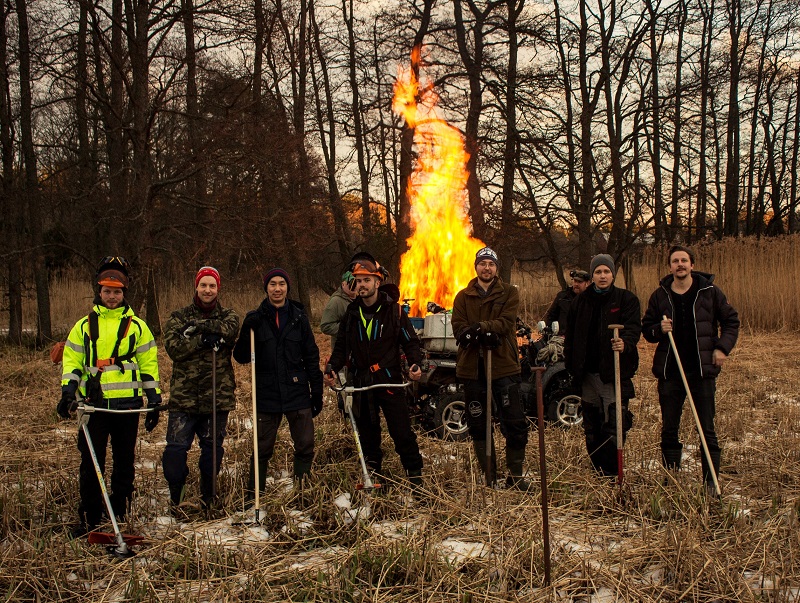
x=562, y=401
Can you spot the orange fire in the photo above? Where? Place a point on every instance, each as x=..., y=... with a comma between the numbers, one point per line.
x=439, y=260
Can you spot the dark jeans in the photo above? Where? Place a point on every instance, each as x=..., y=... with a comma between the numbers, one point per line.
x=181, y=431
x=366, y=407
x=507, y=407
x=671, y=396
x=600, y=421
x=122, y=431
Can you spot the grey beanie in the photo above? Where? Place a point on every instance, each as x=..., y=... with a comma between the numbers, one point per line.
x=602, y=259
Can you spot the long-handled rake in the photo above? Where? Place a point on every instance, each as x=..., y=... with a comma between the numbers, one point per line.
x=118, y=542
x=694, y=412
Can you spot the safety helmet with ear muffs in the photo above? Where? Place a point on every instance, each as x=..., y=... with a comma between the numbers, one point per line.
x=112, y=272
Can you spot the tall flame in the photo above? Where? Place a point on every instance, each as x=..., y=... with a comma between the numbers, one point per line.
x=441, y=250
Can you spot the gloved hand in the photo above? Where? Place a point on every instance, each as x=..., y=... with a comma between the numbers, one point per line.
x=212, y=341
x=316, y=404
x=490, y=339
x=188, y=329
x=470, y=335
x=151, y=420
x=66, y=404
x=250, y=322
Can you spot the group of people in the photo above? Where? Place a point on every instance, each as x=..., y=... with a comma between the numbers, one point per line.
x=110, y=362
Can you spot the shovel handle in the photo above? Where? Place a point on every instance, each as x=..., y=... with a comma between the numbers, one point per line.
x=616, y=328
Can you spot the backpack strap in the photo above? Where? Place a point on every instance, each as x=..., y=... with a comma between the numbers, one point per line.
x=90, y=343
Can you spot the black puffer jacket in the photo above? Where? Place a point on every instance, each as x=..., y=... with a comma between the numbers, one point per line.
x=374, y=357
x=618, y=306
x=716, y=324
x=288, y=376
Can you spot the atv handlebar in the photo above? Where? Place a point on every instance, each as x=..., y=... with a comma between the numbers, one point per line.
x=88, y=409
x=352, y=389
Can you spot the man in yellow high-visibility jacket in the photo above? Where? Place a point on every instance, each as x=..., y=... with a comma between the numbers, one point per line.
x=110, y=360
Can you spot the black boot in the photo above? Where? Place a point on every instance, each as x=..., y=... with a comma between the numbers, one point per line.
x=88, y=521
x=480, y=453
x=302, y=471
x=120, y=505
x=514, y=461
x=671, y=460
x=176, y=494
x=415, y=479
x=207, y=490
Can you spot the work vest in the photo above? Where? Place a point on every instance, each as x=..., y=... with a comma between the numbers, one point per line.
x=122, y=352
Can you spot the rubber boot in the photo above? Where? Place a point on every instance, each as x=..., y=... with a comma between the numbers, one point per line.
x=176, y=495
x=249, y=493
x=415, y=479
x=480, y=453
x=708, y=480
x=88, y=521
x=206, y=490
x=671, y=460
x=514, y=461
x=302, y=471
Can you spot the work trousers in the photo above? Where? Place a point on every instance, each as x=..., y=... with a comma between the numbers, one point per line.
x=301, y=427
x=507, y=407
x=182, y=428
x=600, y=421
x=671, y=396
x=121, y=430
x=366, y=408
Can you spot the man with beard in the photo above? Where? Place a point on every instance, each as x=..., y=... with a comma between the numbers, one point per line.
x=589, y=347
x=705, y=328
x=484, y=317
x=370, y=336
x=194, y=337
x=559, y=309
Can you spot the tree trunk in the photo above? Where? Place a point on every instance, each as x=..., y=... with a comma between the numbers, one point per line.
x=658, y=209
x=31, y=179
x=793, y=222
x=674, y=220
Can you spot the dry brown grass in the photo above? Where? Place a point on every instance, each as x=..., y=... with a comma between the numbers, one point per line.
x=653, y=544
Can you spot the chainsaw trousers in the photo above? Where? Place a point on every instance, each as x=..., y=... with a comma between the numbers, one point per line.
x=182, y=428
x=121, y=431
x=600, y=421
x=507, y=407
x=366, y=408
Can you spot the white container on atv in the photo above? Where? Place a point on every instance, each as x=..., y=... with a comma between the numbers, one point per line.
x=437, y=334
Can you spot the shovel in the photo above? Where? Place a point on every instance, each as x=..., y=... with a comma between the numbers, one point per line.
x=489, y=445
x=255, y=424
x=214, y=422
x=539, y=370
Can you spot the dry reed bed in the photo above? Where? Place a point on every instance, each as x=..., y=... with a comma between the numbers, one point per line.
x=463, y=543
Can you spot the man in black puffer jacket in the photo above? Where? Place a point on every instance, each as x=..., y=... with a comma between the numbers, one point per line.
x=705, y=328
x=589, y=347
x=288, y=377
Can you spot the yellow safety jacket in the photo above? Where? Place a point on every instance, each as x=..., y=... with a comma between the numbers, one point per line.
x=122, y=352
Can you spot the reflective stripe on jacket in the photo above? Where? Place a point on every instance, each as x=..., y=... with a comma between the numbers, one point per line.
x=122, y=386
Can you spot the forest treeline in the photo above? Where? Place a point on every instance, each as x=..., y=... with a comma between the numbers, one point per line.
x=259, y=132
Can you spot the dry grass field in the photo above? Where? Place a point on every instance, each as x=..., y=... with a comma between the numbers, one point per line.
x=461, y=543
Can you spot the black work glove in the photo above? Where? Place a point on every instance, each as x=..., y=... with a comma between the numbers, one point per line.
x=151, y=420
x=250, y=322
x=316, y=404
x=470, y=335
x=66, y=405
x=490, y=339
x=212, y=341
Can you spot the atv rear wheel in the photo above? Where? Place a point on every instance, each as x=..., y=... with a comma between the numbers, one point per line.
x=450, y=417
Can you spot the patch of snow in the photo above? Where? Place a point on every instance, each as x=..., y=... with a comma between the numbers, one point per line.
x=781, y=399
x=297, y=521
x=343, y=501
x=458, y=552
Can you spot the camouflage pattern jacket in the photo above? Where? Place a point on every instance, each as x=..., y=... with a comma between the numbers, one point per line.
x=190, y=385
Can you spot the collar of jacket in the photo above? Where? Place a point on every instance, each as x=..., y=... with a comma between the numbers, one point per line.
x=117, y=313
x=498, y=287
x=704, y=279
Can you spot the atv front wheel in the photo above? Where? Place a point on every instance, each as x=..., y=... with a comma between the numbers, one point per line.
x=450, y=418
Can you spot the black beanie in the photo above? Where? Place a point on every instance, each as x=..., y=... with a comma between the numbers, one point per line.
x=277, y=272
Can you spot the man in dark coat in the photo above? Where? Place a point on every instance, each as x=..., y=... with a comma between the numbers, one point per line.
x=194, y=336
x=559, y=309
x=589, y=347
x=370, y=336
x=705, y=328
x=288, y=377
x=485, y=316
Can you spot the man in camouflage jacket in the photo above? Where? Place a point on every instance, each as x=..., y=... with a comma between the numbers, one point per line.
x=194, y=336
